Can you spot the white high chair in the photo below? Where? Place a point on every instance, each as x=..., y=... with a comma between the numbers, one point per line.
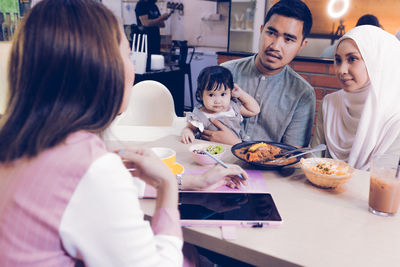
x=150, y=115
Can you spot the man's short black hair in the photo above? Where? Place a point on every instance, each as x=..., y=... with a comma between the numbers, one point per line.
x=293, y=9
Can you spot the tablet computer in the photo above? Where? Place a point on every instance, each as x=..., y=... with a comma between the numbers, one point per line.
x=218, y=209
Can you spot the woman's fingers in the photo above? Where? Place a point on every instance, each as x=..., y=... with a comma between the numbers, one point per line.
x=236, y=182
x=234, y=171
x=148, y=166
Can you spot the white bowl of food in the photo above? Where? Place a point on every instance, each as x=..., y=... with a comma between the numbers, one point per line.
x=326, y=172
x=202, y=158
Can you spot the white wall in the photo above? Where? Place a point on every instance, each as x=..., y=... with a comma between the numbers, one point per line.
x=198, y=31
x=128, y=12
x=189, y=26
x=114, y=6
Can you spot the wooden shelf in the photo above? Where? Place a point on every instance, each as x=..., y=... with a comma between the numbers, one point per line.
x=242, y=30
x=242, y=1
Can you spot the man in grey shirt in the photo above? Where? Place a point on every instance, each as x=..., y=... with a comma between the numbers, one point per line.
x=286, y=100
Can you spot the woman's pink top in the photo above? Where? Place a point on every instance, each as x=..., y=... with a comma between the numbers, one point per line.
x=47, y=205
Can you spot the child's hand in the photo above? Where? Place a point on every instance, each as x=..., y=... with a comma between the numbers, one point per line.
x=236, y=91
x=187, y=136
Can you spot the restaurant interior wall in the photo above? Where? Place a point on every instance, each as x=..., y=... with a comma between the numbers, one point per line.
x=246, y=19
x=387, y=11
x=202, y=23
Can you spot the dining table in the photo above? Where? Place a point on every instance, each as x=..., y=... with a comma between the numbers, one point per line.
x=320, y=227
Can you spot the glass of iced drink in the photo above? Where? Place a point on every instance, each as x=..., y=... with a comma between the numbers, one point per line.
x=384, y=190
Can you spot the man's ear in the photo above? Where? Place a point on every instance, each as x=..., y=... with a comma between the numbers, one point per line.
x=261, y=28
x=303, y=44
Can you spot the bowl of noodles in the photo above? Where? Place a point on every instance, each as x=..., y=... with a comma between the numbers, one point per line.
x=325, y=172
x=261, y=154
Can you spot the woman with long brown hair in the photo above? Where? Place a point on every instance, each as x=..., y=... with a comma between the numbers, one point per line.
x=64, y=198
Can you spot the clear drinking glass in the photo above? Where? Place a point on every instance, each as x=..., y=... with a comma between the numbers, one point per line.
x=384, y=191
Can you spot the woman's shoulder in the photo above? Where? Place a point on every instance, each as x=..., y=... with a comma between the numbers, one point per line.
x=337, y=95
x=79, y=150
x=83, y=140
x=239, y=65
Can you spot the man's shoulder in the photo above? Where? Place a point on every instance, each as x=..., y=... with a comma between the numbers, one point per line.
x=298, y=80
x=141, y=6
x=240, y=63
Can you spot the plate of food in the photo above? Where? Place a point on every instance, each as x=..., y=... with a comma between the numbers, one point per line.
x=263, y=154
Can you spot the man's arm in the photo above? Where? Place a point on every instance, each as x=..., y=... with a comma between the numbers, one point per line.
x=223, y=135
x=298, y=132
x=157, y=22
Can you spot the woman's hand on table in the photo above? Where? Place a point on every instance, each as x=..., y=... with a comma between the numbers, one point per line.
x=215, y=177
x=222, y=135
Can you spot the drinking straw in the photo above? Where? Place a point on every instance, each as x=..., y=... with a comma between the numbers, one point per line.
x=398, y=168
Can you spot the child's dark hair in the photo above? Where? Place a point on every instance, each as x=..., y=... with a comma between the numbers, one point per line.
x=211, y=78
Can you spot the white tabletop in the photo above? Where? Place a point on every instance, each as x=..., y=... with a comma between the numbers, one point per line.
x=320, y=227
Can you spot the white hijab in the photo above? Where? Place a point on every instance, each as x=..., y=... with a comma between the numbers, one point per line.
x=360, y=124
x=398, y=34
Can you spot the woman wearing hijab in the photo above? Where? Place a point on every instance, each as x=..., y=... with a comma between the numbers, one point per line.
x=363, y=119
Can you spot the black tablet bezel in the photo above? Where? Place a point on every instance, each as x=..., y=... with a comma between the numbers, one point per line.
x=239, y=208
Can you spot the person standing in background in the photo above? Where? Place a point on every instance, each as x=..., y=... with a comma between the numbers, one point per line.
x=148, y=15
x=368, y=19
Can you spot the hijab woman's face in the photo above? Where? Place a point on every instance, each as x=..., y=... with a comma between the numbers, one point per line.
x=350, y=67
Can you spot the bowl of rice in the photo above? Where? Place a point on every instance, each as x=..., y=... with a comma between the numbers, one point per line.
x=326, y=172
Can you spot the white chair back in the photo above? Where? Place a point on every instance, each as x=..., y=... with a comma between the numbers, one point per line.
x=150, y=104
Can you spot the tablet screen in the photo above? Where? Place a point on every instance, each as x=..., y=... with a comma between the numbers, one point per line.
x=232, y=207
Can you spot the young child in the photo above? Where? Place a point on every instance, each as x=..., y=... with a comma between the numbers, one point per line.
x=221, y=99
